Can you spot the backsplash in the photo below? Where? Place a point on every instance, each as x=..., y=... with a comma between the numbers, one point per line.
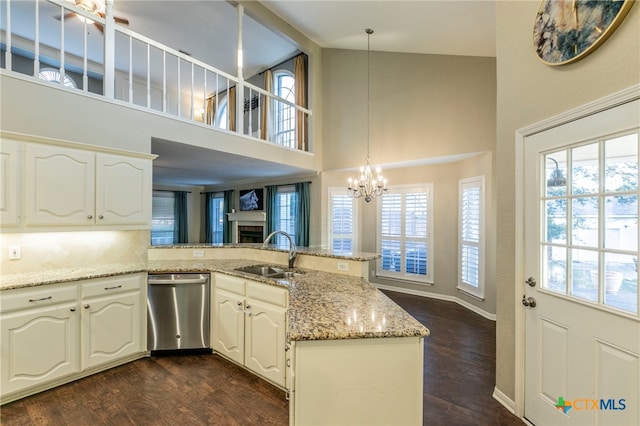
x=56, y=250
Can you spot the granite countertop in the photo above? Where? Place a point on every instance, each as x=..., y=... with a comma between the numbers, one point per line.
x=322, y=305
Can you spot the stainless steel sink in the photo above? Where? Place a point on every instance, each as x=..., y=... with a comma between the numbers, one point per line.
x=269, y=271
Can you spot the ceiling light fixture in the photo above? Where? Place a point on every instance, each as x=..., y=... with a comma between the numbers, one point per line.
x=368, y=185
x=556, y=178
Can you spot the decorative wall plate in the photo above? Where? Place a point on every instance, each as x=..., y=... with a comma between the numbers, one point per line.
x=568, y=30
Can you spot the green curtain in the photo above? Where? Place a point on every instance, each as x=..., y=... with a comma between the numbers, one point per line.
x=271, y=208
x=181, y=228
x=208, y=217
x=302, y=218
x=227, y=229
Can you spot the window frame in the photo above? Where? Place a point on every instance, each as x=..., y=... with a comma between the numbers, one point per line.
x=462, y=285
x=340, y=191
x=217, y=196
x=403, y=190
x=277, y=134
x=167, y=195
x=280, y=240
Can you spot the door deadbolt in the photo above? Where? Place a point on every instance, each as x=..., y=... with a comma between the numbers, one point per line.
x=528, y=301
x=531, y=281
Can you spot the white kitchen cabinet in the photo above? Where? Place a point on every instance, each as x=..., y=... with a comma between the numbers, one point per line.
x=9, y=181
x=53, y=334
x=113, y=320
x=249, y=325
x=68, y=186
x=123, y=190
x=40, y=337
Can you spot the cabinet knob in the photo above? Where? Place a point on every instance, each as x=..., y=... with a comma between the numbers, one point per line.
x=86, y=306
x=90, y=217
x=101, y=217
x=73, y=309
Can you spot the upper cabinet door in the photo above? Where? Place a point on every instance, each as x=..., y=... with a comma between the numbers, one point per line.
x=123, y=190
x=9, y=181
x=59, y=185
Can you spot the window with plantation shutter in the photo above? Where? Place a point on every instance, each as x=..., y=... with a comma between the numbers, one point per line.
x=404, y=236
x=471, y=236
x=342, y=238
x=162, y=217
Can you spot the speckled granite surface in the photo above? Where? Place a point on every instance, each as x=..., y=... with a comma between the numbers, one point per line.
x=359, y=256
x=322, y=305
x=55, y=276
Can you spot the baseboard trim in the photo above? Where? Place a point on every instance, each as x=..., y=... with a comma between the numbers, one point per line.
x=504, y=400
x=448, y=298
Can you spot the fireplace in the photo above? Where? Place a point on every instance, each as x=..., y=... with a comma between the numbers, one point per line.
x=248, y=227
x=250, y=233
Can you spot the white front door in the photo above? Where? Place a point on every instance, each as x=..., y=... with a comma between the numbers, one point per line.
x=582, y=343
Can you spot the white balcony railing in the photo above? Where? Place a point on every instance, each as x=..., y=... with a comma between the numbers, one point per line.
x=120, y=64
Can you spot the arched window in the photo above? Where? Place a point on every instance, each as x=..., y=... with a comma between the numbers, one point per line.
x=53, y=75
x=285, y=115
x=222, y=116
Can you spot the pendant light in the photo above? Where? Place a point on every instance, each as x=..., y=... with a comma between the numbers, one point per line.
x=368, y=185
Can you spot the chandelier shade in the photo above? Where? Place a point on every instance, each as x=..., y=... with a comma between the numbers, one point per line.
x=369, y=184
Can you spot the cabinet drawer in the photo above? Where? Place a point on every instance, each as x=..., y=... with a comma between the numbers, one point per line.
x=267, y=293
x=229, y=283
x=111, y=285
x=11, y=300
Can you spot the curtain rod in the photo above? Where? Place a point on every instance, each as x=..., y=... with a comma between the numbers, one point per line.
x=280, y=63
x=285, y=184
x=170, y=190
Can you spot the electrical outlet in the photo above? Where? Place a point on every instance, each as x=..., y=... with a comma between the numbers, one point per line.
x=14, y=252
x=343, y=266
x=198, y=253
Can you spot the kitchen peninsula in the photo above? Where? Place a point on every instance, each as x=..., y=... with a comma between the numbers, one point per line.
x=352, y=355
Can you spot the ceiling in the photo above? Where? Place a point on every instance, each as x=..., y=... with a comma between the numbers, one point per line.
x=207, y=30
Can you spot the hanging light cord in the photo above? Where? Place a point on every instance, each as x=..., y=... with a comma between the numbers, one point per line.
x=369, y=31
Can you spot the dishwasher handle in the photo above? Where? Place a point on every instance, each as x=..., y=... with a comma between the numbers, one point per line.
x=153, y=281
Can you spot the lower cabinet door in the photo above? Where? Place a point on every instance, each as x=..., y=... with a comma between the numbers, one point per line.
x=265, y=340
x=111, y=328
x=228, y=325
x=38, y=346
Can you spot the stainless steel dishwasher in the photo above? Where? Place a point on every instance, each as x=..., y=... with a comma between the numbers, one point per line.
x=178, y=314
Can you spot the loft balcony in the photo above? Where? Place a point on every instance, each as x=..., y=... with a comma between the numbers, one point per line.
x=95, y=54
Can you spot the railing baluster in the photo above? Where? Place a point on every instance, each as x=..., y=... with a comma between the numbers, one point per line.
x=179, y=89
x=85, y=75
x=250, y=128
x=148, y=76
x=130, y=69
x=36, y=48
x=204, y=96
x=164, y=81
x=7, y=53
x=62, y=46
x=192, y=92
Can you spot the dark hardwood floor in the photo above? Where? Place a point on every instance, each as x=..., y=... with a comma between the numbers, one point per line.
x=459, y=378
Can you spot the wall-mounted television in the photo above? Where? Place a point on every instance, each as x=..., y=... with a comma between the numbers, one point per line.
x=251, y=199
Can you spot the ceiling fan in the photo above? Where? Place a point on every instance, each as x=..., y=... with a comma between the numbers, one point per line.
x=95, y=7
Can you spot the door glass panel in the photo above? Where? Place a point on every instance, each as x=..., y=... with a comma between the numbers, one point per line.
x=556, y=221
x=584, y=272
x=584, y=222
x=556, y=172
x=585, y=175
x=554, y=261
x=621, y=163
x=621, y=282
x=621, y=222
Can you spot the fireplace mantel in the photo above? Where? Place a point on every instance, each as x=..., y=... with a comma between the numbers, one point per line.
x=249, y=216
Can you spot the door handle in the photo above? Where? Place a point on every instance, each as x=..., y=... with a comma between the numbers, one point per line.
x=531, y=281
x=528, y=301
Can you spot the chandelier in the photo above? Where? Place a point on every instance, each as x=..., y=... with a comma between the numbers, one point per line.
x=368, y=185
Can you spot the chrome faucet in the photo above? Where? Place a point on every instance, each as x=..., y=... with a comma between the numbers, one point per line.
x=292, y=246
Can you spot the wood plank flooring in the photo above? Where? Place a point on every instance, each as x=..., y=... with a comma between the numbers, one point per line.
x=208, y=390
